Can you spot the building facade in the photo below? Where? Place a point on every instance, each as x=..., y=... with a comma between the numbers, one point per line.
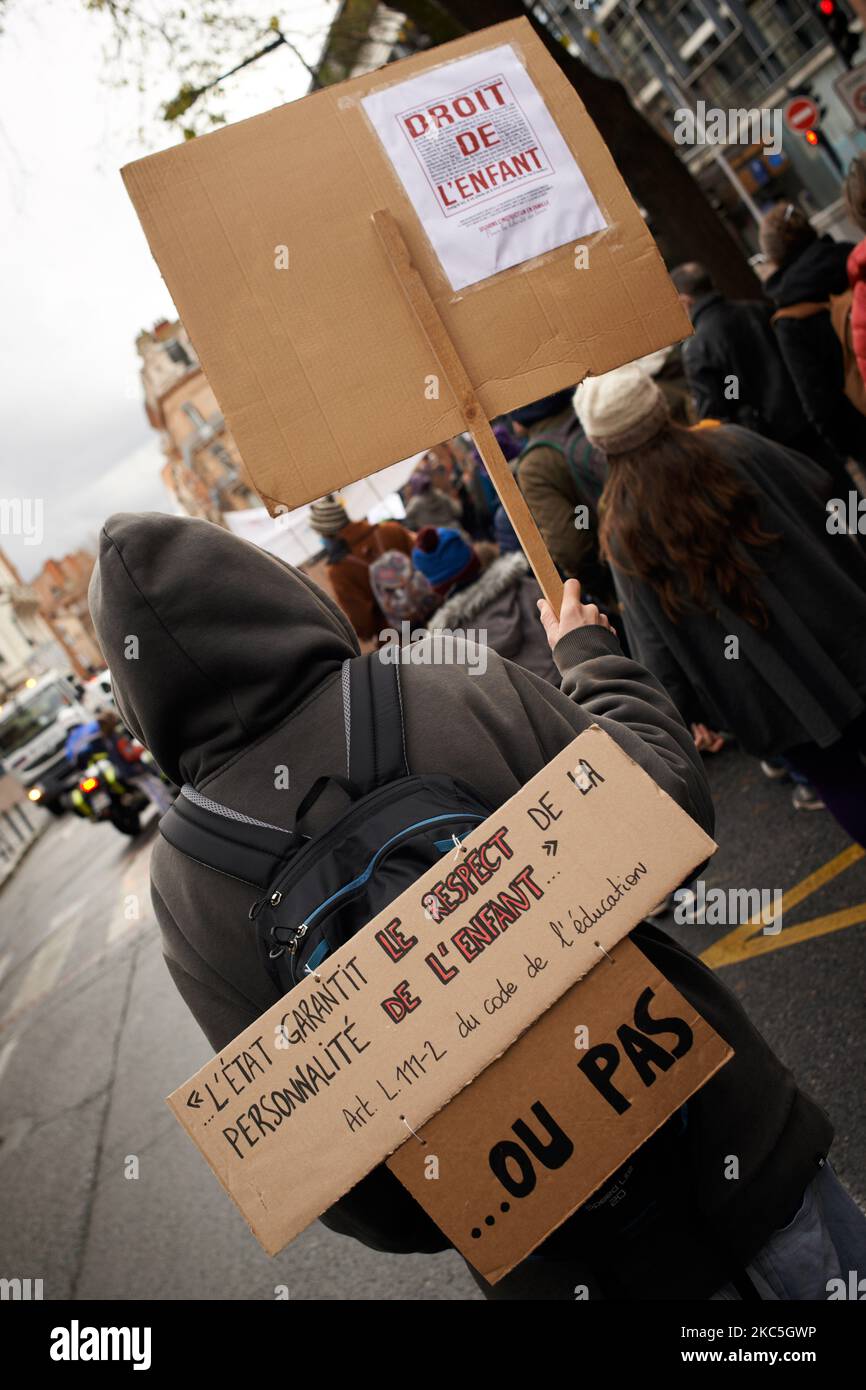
x=676, y=55
x=732, y=55
x=202, y=465
x=364, y=35
x=28, y=643
x=61, y=588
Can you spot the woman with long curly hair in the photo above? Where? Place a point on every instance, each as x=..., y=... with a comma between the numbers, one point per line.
x=741, y=589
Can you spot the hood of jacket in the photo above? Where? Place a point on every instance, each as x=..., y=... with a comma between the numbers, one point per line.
x=818, y=272
x=502, y=604
x=857, y=264
x=210, y=641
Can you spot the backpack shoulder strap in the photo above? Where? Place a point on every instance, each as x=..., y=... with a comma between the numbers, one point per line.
x=253, y=850
x=225, y=840
x=540, y=443
x=840, y=313
x=806, y=310
x=588, y=473
x=373, y=712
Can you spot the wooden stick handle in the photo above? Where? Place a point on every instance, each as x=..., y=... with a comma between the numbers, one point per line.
x=476, y=421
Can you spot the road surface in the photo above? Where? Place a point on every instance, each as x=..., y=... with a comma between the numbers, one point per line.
x=93, y=1037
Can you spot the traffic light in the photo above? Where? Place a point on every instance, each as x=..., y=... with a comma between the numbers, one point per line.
x=837, y=27
x=817, y=140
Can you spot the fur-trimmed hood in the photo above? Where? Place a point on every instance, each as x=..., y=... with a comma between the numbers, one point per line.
x=463, y=607
x=501, y=606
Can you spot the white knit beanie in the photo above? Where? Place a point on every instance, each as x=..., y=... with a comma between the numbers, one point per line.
x=621, y=410
x=328, y=516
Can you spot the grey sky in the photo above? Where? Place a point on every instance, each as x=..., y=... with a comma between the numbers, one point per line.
x=77, y=281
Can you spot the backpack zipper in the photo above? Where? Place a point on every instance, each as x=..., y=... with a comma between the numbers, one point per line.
x=290, y=946
x=318, y=846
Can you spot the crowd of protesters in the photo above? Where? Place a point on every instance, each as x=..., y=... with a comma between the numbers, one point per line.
x=693, y=495
x=689, y=500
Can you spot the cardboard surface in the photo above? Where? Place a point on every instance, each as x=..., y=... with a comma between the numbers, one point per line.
x=320, y=1088
x=512, y=499
x=321, y=369
x=582, y=1108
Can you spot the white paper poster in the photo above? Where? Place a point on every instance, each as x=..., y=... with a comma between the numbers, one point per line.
x=484, y=165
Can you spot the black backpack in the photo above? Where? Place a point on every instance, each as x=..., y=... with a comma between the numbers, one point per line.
x=315, y=892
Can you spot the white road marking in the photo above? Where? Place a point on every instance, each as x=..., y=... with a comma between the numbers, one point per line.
x=66, y=913
x=6, y=1053
x=135, y=884
x=45, y=967
x=66, y=831
x=4, y=963
x=118, y=926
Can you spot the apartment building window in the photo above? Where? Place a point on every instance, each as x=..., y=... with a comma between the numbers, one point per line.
x=789, y=27
x=178, y=353
x=625, y=47
x=222, y=455
x=193, y=414
x=684, y=18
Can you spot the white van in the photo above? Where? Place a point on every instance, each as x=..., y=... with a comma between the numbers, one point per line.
x=97, y=693
x=34, y=726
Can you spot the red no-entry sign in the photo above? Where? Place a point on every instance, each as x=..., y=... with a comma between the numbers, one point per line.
x=801, y=113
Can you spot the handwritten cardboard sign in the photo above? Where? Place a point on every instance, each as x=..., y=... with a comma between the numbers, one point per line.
x=560, y=1113
x=263, y=233
x=320, y=1089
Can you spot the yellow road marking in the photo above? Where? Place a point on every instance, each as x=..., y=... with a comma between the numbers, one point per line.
x=790, y=936
x=749, y=940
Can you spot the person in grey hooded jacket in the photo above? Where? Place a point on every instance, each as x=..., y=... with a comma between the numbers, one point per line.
x=492, y=598
x=237, y=676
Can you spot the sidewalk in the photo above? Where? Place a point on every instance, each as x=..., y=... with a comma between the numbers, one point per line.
x=20, y=826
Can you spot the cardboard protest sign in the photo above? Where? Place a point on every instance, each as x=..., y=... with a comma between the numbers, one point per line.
x=548, y=1124
x=485, y=167
x=324, y=1086
x=263, y=233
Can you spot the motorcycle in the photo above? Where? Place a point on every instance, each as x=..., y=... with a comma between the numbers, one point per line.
x=101, y=794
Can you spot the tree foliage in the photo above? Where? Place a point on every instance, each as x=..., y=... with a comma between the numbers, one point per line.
x=177, y=55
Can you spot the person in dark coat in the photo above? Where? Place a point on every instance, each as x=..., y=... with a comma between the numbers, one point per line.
x=737, y=590
x=558, y=473
x=428, y=505
x=484, y=494
x=809, y=269
x=734, y=367
x=244, y=671
x=855, y=200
